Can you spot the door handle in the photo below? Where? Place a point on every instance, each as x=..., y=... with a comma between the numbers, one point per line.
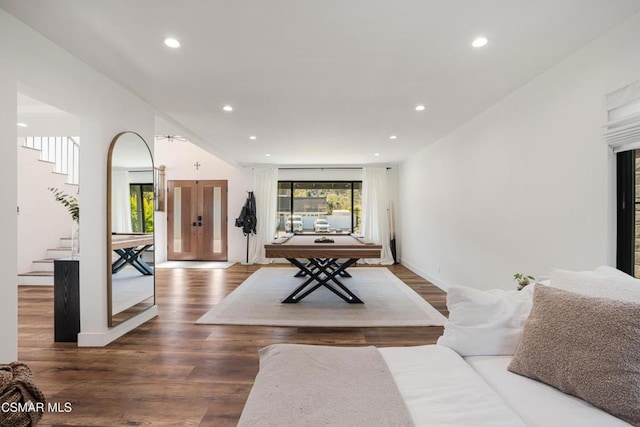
x=194, y=224
x=199, y=217
x=199, y=224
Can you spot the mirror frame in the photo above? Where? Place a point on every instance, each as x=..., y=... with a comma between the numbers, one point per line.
x=115, y=139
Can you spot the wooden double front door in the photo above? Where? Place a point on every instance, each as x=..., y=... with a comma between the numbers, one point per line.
x=197, y=220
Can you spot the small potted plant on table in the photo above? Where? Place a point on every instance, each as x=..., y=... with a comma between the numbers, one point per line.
x=523, y=279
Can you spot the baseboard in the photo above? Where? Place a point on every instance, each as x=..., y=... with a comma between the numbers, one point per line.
x=101, y=339
x=439, y=283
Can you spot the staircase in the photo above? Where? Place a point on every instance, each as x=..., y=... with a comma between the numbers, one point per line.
x=63, y=153
x=42, y=273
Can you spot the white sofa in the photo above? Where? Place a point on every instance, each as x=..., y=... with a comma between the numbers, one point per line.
x=464, y=380
x=442, y=388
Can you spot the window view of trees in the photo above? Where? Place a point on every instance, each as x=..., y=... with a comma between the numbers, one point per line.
x=141, y=208
x=319, y=207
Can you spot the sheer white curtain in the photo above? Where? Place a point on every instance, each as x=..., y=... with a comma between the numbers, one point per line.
x=375, y=204
x=120, y=202
x=265, y=190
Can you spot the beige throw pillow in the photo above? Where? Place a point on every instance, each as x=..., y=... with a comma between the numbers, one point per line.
x=584, y=346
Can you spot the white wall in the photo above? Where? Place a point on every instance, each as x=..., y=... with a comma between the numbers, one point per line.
x=39, y=69
x=528, y=184
x=8, y=177
x=41, y=221
x=179, y=158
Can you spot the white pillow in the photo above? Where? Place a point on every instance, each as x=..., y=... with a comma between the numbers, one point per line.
x=485, y=323
x=603, y=282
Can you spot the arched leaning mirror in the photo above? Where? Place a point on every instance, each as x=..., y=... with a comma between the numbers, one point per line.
x=130, y=237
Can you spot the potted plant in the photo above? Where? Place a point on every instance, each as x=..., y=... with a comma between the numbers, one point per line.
x=523, y=279
x=68, y=201
x=73, y=207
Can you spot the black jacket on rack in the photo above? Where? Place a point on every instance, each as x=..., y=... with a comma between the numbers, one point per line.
x=247, y=219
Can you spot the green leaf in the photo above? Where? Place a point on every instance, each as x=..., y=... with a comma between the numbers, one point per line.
x=68, y=201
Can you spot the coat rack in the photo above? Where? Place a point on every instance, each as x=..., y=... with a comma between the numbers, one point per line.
x=248, y=219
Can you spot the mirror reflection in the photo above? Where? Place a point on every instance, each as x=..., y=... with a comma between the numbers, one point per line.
x=130, y=224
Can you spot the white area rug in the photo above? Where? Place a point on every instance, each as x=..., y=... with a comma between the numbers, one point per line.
x=387, y=302
x=195, y=264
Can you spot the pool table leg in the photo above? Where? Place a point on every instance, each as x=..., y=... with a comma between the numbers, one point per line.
x=322, y=271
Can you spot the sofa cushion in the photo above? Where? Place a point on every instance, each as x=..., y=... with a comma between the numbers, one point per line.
x=605, y=282
x=605, y=270
x=485, y=322
x=584, y=346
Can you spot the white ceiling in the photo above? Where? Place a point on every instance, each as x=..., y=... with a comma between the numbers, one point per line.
x=44, y=119
x=320, y=82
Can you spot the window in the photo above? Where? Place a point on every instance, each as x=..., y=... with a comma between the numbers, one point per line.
x=628, y=212
x=319, y=207
x=622, y=133
x=141, y=208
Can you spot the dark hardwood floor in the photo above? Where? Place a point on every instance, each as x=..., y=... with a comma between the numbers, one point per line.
x=170, y=371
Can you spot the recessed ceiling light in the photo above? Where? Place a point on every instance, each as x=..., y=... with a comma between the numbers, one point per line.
x=171, y=42
x=267, y=155
x=227, y=108
x=252, y=137
x=393, y=137
x=22, y=125
x=376, y=154
x=479, y=42
x=420, y=107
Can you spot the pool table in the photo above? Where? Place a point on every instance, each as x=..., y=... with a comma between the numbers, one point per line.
x=129, y=247
x=324, y=266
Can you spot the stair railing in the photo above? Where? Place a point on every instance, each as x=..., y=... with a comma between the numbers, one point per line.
x=62, y=151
